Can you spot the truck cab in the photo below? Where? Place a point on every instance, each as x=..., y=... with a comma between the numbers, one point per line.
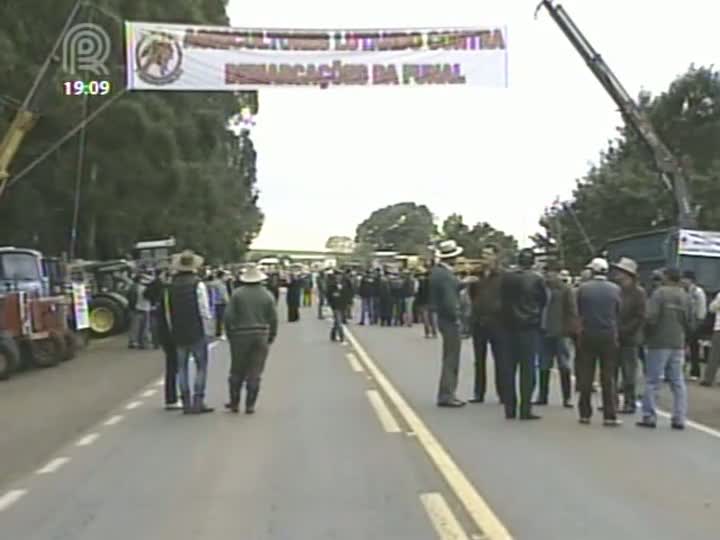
x=21, y=270
x=154, y=253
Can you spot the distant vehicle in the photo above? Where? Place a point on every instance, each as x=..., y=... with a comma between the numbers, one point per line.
x=155, y=254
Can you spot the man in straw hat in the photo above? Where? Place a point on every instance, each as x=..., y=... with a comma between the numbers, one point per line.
x=633, y=301
x=190, y=319
x=251, y=323
x=445, y=299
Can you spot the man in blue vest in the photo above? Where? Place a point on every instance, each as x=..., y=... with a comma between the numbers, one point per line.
x=190, y=318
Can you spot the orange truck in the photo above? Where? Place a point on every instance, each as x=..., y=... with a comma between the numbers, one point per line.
x=34, y=324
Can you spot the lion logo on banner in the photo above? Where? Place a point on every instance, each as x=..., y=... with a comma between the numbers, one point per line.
x=158, y=58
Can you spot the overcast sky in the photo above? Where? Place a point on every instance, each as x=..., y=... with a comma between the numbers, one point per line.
x=327, y=159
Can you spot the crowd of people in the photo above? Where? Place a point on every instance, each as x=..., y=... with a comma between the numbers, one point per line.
x=532, y=321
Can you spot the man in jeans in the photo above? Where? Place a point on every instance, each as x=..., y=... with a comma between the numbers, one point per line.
x=669, y=319
x=631, y=321
x=599, y=302
x=190, y=320
x=336, y=300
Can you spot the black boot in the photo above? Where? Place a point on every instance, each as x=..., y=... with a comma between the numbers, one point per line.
x=251, y=398
x=566, y=385
x=544, y=387
x=199, y=406
x=234, y=403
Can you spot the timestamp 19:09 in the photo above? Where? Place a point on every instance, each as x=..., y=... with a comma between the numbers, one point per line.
x=90, y=88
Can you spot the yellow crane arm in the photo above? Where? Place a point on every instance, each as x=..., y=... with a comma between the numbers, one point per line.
x=22, y=123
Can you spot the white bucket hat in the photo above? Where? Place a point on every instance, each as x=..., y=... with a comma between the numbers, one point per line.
x=448, y=249
x=253, y=275
x=627, y=265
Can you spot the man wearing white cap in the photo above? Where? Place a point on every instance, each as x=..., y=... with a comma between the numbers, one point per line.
x=445, y=300
x=599, y=302
x=251, y=324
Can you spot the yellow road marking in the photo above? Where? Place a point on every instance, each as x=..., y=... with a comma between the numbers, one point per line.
x=386, y=418
x=479, y=510
x=442, y=518
x=354, y=364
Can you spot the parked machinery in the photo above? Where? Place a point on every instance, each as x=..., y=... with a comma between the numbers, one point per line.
x=34, y=323
x=109, y=283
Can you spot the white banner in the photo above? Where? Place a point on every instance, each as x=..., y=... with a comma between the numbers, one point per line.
x=700, y=243
x=182, y=57
x=80, y=306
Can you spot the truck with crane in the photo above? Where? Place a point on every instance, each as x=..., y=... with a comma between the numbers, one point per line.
x=683, y=245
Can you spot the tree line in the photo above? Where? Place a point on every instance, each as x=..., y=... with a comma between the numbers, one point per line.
x=154, y=164
x=623, y=193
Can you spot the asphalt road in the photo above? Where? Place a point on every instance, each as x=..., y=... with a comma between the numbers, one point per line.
x=42, y=409
x=317, y=461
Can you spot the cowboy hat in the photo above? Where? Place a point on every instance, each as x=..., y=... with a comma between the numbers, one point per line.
x=187, y=261
x=448, y=249
x=253, y=274
x=627, y=265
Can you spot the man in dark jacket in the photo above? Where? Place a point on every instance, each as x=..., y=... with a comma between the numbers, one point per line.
x=445, y=299
x=599, y=302
x=486, y=325
x=561, y=319
x=158, y=295
x=631, y=321
x=366, y=296
x=523, y=297
x=336, y=299
x=190, y=317
x=251, y=323
x=348, y=294
x=422, y=301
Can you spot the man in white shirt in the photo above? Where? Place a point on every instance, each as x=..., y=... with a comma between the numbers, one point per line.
x=714, y=361
x=698, y=303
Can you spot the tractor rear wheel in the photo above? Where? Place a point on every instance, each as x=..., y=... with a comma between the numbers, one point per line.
x=9, y=358
x=47, y=352
x=107, y=317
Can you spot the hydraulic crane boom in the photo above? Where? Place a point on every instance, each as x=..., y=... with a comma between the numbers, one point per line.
x=670, y=170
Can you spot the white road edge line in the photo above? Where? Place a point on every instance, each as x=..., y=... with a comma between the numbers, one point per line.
x=354, y=364
x=149, y=393
x=54, y=465
x=133, y=405
x=10, y=498
x=88, y=439
x=477, y=508
x=442, y=518
x=386, y=418
x=113, y=420
x=695, y=425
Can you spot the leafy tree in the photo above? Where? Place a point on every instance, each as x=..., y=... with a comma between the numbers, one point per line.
x=623, y=193
x=474, y=239
x=155, y=163
x=404, y=227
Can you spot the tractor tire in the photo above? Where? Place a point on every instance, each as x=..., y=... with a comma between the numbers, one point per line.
x=48, y=352
x=107, y=318
x=71, y=345
x=9, y=358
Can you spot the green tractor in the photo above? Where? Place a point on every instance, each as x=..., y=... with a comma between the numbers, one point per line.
x=109, y=283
